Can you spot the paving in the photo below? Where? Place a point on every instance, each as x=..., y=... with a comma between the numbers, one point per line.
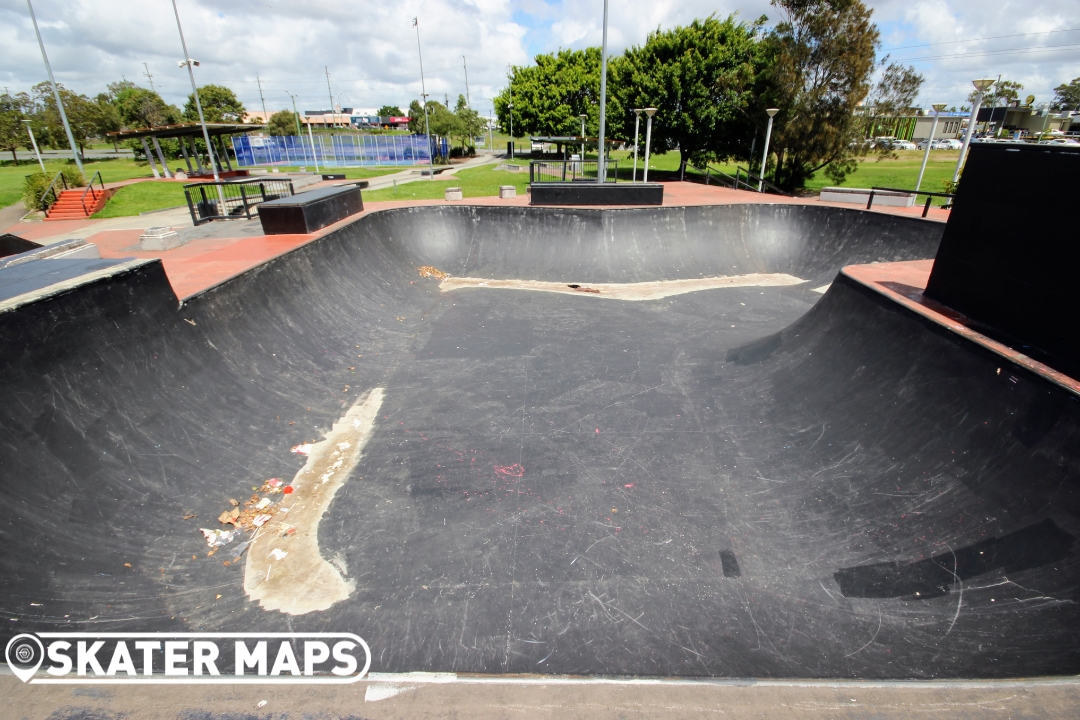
x=814, y=477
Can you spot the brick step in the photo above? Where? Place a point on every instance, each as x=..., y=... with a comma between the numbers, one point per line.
x=69, y=205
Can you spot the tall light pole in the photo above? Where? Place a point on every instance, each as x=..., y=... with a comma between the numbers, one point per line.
x=601, y=164
x=510, y=105
x=637, y=124
x=583, y=116
x=198, y=105
x=423, y=92
x=56, y=93
x=765, y=156
x=33, y=142
x=981, y=86
x=938, y=107
x=330, y=94
x=648, y=141
x=468, y=100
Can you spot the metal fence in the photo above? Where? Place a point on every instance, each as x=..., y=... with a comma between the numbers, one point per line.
x=232, y=199
x=550, y=171
x=336, y=150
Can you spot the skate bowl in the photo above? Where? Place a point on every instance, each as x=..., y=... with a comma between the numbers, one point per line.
x=648, y=442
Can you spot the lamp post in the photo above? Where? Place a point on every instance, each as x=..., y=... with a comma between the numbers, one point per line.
x=583, y=116
x=648, y=141
x=510, y=106
x=189, y=63
x=981, y=86
x=423, y=92
x=938, y=107
x=56, y=93
x=601, y=166
x=765, y=156
x=34, y=143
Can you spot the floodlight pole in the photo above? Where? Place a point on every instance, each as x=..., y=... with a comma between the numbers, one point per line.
x=195, y=90
x=938, y=107
x=637, y=125
x=56, y=93
x=601, y=165
x=266, y=116
x=649, y=112
x=34, y=143
x=765, y=156
x=330, y=94
x=468, y=100
x=981, y=86
x=423, y=92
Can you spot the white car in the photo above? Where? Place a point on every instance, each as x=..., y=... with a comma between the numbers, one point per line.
x=936, y=145
x=952, y=144
x=903, y=145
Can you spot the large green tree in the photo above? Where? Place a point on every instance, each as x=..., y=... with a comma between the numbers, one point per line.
x=140, y=108
x=467, y=125
x=283, y=122
x=390, y=111
x=219, y=105
x=701, y=78
x=549, y=97
x=13, y=133
x=892, y=95
x=1067, y=96
x=83, y=115
x=822, y=58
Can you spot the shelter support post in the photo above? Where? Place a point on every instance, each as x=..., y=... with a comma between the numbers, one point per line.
x=149, y=158
x=161, y=156
x=187, y=158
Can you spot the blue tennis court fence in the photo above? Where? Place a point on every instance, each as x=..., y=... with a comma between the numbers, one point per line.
x=334, y=150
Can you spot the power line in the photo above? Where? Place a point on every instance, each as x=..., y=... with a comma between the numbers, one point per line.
x=1017, y=51
x=994, y=37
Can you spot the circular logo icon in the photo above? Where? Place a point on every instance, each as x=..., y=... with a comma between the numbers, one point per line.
x=24, y=655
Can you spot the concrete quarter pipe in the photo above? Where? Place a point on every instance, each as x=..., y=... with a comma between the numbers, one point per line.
x=753, y=480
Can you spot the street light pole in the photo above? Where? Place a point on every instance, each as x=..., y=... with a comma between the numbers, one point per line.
x=765, y=156
x=981, y=86
x=601, y=165
x=423, y=92
x=650, y=111
x=34, y=143
x=637, y=125
x=938, y=107
x=198, y=105
x=583, y=116
x=56, y=93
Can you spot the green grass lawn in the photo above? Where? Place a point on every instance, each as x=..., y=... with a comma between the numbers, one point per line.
x=143, y=197
x=483, y=181
x=112, y=170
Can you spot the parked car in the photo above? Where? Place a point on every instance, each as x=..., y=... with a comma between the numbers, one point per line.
x=903, y=145
x=952, y=144
x=935, y=145
x=1059, y=141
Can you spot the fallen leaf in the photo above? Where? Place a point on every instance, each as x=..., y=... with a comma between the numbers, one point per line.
x=127, y=564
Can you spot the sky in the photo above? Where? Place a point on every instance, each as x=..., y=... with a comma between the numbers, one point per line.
x=369, y=49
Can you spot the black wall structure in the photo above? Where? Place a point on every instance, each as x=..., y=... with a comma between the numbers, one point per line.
x=741, y=482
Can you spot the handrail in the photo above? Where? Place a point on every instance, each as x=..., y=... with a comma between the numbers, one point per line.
x=52, y=189
x=762, y=182
x=93, y=193
x=929, y=199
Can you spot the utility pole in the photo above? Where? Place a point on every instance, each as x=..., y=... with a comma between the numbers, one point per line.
x=296, y=115
x=266, y=117
x=468, y=101
x=56, y=93
x=149, y=77
x=423, y=91
x=330, y=93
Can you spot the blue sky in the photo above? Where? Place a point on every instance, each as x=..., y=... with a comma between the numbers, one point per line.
x=370, y=47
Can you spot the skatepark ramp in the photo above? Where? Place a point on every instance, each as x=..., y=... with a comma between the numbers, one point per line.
x=664, y=441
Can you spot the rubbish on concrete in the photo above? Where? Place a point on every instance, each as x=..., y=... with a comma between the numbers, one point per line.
x=217, y=538
x=262, y=703
x=262, y=503
x=287, y=489
x=302, y=449
x=278, y=554
x=239, y=549
x=190, y=517
x=260, y=520
x=432, y=272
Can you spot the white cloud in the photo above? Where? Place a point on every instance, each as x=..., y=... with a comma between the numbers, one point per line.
x=370, y=47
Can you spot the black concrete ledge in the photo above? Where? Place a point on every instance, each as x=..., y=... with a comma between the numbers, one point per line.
x=307, y=212
x=586, y=193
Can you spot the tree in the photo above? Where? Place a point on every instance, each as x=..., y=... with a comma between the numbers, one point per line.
x=390, y=111
x=283, y=122
x=822, y=58
x=107, y=118
x=13, y=133
x=467, y=124
x=1006, y=90
x=892, y=96
x=1067, y=96
x=219, y=105
x=416, y=118
x=701, y=78
x=548, y=97
x=82, y=114
x=140, y=108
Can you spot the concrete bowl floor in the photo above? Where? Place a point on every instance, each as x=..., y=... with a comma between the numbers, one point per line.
x=802, y=479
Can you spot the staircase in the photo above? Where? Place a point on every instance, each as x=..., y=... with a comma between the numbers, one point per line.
x=70, y=204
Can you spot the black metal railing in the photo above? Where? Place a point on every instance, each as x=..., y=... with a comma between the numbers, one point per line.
x=926, y=208
x=45, y=203
x=554, y=171
x=755, y=183
x=231, y=200
x=94, y=194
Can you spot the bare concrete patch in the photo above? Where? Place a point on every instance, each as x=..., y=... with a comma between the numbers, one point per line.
x=654, y=290
x=285, y=569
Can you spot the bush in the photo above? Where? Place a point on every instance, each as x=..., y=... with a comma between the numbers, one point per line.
x=37, y=183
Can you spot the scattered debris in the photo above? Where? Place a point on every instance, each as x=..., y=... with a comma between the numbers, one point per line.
x=217, y=538
x=262, y=703
x=301, y=449
x=578, y=288
x=189, y=321
x=127, y=565
x=260, y=520
x=278, y=554
x=217, y=597
x=431, y=272
x=190, y=517
x=239, y=549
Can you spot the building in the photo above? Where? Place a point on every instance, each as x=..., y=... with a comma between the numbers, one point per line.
x=1024, y=119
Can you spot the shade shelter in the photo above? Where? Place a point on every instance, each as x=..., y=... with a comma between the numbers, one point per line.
x=186, y=134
